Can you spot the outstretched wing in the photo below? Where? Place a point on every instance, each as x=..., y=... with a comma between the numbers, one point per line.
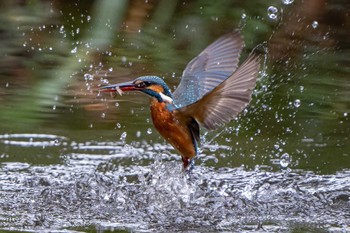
x=228, y=99
x=210, y=68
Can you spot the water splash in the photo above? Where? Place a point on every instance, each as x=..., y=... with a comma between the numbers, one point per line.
x=160, y=196
x=272, y=13
x=97, y=185
x=287, y=2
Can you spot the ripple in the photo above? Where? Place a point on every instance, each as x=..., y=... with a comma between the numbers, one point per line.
x=32, y=140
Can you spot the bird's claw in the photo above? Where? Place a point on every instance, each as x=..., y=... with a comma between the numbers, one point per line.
x=189, y=168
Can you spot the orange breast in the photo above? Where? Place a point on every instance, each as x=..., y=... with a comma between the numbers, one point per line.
x=173, y=130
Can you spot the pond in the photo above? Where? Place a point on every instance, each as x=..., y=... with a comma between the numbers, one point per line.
x=73, y=159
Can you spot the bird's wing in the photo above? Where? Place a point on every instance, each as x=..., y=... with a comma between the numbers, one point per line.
x=224, y=102
x=210, y=68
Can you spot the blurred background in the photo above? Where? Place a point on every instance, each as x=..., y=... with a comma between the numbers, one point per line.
x=54, y=55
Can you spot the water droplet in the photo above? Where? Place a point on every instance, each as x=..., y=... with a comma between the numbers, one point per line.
x=272, y=13
x=297, y=103
x=123, y=136
x=345, y=114
x=56, y=142
x=103, y=115
x=89, y=77
x=314, y=24
x=54, y=107
x=74, y=50
x=91, y=126
x=285, y=160
x=88, y=18
x=116, y=104
x=138, y=134
x=149, y=130
x=104, y=81
x=61, y=29
x=243, y=16
x=118, y=125
x=287, y=2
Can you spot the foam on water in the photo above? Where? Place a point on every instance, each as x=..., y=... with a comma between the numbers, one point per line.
x=102, y=185
x=160, y=196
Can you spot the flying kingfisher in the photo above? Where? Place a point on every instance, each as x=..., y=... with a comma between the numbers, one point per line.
x=212, y=91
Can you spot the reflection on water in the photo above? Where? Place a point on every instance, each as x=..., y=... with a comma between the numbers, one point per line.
x=31, y=140
x=72, y=158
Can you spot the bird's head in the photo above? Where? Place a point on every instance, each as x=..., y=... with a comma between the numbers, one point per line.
x=151, y=85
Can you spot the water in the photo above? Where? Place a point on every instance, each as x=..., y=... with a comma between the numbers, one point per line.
x=93, y=187
x=76, y=160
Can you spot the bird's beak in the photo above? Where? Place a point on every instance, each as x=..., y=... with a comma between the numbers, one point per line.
x=120, y=87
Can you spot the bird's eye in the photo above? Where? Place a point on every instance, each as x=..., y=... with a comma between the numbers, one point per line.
x=143, y=84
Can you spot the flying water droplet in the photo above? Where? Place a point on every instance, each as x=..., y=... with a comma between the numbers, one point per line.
x=287, y=2
x=285, y=160
x=103, y=115
x=272, y=13
x=297, y=103
x=314, y=24
x=56, y=142
x=61, y=29
x=74, y=50
x=149, y=130
x=88, y=77
x=138, y=134
x=123, y=136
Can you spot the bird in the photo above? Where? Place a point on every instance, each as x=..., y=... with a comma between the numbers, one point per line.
x=213, y=90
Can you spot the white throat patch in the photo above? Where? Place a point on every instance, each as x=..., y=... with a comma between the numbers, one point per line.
x=166, y=98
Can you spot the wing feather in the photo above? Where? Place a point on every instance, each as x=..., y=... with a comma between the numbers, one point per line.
x=225, y=101
x=210, y=68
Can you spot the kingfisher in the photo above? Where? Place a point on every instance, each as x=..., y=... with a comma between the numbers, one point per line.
x=212, y=91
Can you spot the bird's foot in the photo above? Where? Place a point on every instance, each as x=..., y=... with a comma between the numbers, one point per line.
x=190, y=165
